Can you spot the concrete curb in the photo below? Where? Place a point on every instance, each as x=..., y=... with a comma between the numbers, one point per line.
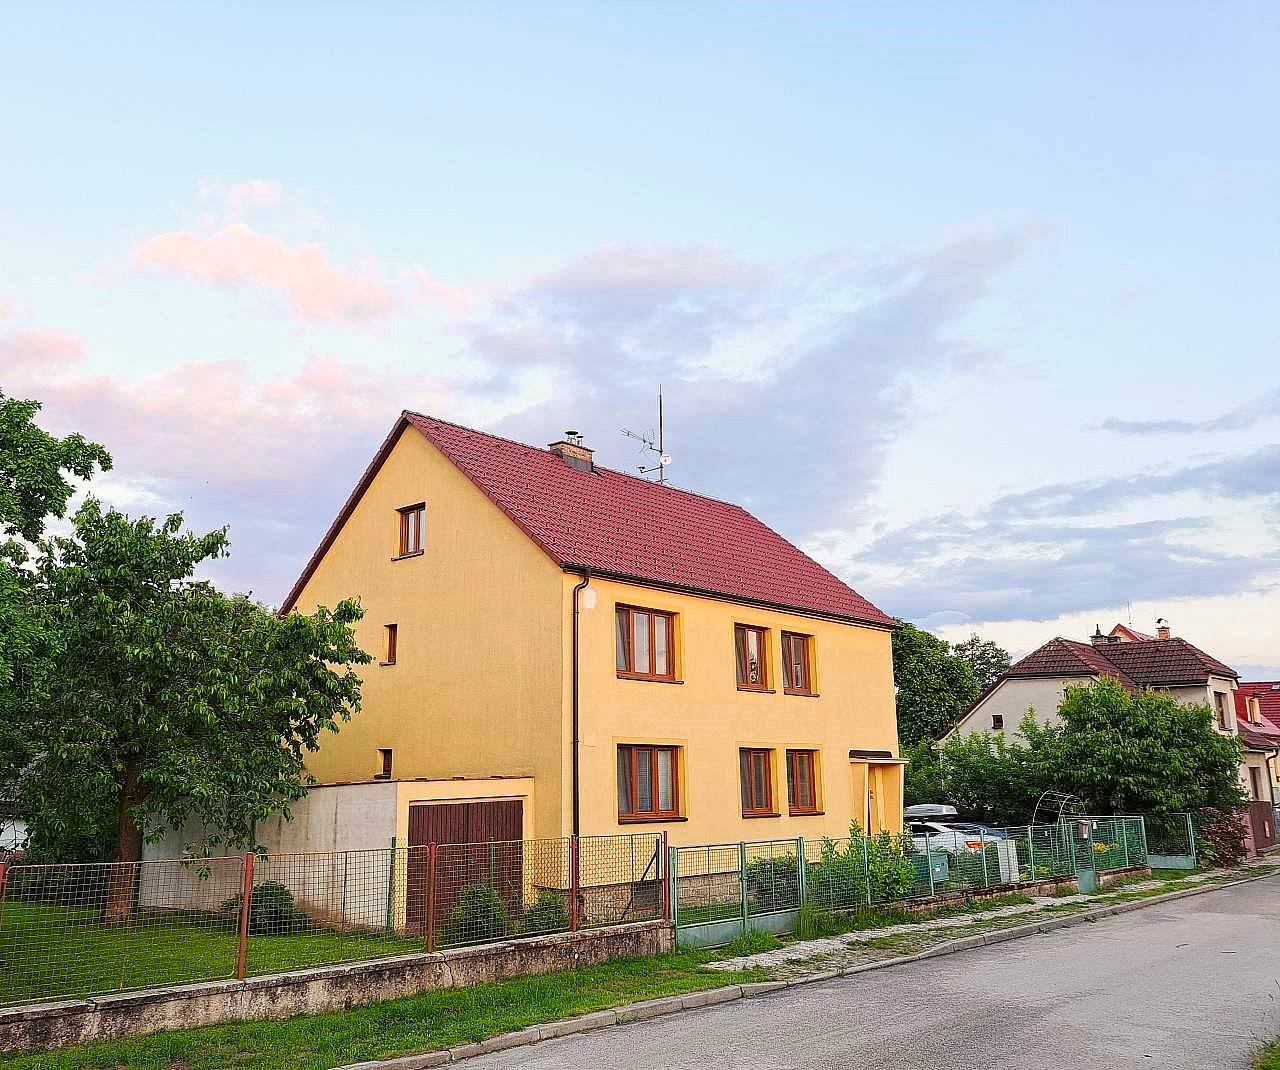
x=652, y=1008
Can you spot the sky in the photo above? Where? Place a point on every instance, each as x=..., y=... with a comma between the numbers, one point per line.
x=975, y=303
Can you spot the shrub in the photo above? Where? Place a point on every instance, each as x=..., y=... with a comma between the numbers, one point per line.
x=751, y=942
x=271, y=910
x=547, y=915
x=1220, y=837
x=479, y=915
x=774, y=883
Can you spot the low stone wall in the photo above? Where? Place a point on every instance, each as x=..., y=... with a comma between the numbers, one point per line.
x=316, y=991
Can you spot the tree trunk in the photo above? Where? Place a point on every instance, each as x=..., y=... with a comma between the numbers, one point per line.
x=123, y=875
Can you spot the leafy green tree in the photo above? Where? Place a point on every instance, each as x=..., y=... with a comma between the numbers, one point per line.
x=934, y=685
x=168, y=700
x=1141, y=753
x=922, y=777
x=988, y=660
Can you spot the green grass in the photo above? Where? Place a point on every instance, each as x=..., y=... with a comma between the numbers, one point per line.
x=752, y=942
x=427, y=1022
x=51, y=952
x=1268, y=1058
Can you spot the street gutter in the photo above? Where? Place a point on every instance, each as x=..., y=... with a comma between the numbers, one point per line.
x=653, y=1008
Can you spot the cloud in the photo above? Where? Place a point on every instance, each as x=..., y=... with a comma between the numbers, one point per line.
x=40, y=351
x=758, y=365
x=253, y=192
x=1241, y=417
x=237, y=255
x=457, y=299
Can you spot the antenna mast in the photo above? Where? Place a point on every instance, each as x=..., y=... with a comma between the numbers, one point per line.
x=658, y=447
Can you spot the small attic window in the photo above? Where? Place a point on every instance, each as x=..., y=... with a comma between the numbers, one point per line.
x=412, y=529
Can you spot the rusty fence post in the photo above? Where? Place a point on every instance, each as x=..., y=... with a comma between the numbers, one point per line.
x=431, y=897
x=575, y=883
x=666, y=876
x=246, y=897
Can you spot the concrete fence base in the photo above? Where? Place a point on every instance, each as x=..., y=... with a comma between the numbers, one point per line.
x=317, y=991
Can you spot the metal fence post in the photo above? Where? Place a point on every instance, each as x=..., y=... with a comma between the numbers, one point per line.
x=802, y=873
x=246, y=897
x=1124, y=839
x=982, y=850
x=866, y=868
x=665, y=875
x=673, y=885
x=575, y=881
x=742, y=880
x=1191, y=836
x=431, y=897
x=391, y=887
x=1031, y=852
x=928, y=863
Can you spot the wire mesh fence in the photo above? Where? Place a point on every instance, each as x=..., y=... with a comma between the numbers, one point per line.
x=722, y=889
x=79, y=930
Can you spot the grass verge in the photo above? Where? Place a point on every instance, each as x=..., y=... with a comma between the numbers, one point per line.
x=1268, y=1058
x=427, y=1022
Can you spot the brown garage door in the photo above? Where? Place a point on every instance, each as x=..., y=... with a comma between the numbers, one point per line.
x=495, y=855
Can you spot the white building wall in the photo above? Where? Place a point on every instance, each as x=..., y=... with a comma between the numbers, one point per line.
x=1011, y=700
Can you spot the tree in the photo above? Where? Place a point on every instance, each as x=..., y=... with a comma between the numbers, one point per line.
x=1144, y=752
x=169, y=700
x=988, y=660
x=934, y=685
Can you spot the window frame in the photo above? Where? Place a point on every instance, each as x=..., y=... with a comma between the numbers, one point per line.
x=752, y=807
x=391, y=643
x=635, y=815
x=386, y=758
x=1220, y=707
x=806, y=645
x=631, y=672
x=413, y=521
x=794, y=755
x=740, y=650
x=997, y=727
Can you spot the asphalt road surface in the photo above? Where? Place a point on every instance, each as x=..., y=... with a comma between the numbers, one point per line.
x=1193, y=984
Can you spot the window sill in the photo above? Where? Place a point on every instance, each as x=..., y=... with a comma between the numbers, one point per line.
x=758, y=690
x=648, y=679
x=649, y=820
x=405, y=557
x=386, y=664
x=802, y=694
x=806, y=813
x=748, y=817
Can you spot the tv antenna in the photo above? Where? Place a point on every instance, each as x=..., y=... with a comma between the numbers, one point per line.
x=653, y=446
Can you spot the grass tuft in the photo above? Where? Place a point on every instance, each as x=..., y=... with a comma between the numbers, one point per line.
x=751, y=942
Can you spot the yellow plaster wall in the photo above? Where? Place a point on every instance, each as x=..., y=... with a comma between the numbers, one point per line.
x=710, y=719
x=476, y=690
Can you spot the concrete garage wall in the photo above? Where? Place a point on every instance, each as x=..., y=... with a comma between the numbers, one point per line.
x=330, y=988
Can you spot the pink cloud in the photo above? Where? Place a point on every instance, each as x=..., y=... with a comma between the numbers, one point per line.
x=252, y=193
x=456, y=299
x=237, y=255
x=42, y=352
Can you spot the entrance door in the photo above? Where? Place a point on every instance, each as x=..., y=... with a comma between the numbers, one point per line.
x=478, y=843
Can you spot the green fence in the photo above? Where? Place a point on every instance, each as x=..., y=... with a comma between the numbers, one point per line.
x=718, y=891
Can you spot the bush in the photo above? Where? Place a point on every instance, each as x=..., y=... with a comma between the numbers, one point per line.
x=842, y=879
x=479, y=915
x=1220, y=837
x=815, y=923
x=547, y=915
x=774, y=883
x=271, y=910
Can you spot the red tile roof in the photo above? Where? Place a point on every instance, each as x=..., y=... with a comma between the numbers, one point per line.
x=621, y=526
x=1131, y=634
x=1066, y=657
x=1267, y=733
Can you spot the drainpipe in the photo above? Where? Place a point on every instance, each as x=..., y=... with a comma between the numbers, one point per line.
x=577, y=803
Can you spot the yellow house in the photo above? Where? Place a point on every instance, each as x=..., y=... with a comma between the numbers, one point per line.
x=563, y=648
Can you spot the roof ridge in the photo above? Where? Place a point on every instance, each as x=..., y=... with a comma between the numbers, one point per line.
x=601, y=467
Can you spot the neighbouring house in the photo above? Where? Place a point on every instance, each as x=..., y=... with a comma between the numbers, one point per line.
x=1258, y=721
x=1136, y=660
x=564, y=648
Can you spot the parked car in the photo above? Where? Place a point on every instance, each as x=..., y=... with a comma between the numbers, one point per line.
x=987, y=831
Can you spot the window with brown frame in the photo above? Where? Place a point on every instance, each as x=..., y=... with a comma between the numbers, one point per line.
x=802, y=781
x=1220, y=702
x=757, y=782
x=797, y=676
x=412, y=526
x=644, y=641
x=648, y=783
x=393, y=635
x=997, y=722
x=384, y=760
x=751, y=646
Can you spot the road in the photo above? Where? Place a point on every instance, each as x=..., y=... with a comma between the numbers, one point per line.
x=1191, y=984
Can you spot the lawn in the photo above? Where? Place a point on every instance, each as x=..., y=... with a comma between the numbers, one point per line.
x=1268, y=1058
x=427, y=1022
x=49, y=952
